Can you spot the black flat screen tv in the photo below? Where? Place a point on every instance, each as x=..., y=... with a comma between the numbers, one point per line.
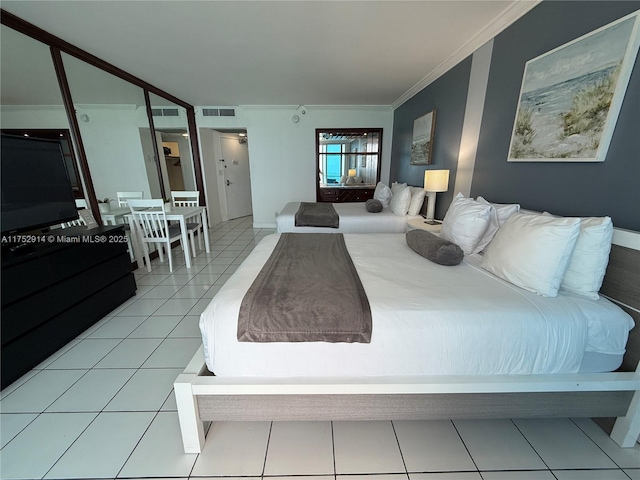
x=35, y=187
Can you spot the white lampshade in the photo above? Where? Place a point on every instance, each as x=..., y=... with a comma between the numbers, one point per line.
x=436, y=180
x=352, y=172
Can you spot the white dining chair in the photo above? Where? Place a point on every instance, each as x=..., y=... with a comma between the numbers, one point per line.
x=123, y=197
x=189, y=198
x=150, y=222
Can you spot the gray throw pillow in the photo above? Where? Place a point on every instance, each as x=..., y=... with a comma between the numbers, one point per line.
x=436, y=249
x=373, y=206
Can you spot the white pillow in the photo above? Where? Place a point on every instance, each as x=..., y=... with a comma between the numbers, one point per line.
x=590, y=256
x=395, y=186
x=417, y=199
x=532, y=251
x=383, y=194
x=400, y=201
x=466, y=223
x=503, y=210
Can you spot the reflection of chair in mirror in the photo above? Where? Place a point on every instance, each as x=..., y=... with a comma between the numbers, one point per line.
x=150, y=222
x=122, y=198
x=73, y=223
x=189, y=198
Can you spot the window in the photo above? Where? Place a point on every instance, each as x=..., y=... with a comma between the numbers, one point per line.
x=333, y=163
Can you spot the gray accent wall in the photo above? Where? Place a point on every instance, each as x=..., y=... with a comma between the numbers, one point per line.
x=448, y=96
x=609, y=188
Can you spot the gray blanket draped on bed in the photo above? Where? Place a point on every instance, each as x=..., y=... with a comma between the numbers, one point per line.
x=308, y=291
x=317, y=215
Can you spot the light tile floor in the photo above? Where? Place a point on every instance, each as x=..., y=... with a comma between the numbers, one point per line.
x=103, y=407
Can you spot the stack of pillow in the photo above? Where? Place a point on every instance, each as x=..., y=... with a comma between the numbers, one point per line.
x=540, y=253
x=401, y=199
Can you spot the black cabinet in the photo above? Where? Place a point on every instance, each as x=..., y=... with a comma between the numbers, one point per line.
x=345, y=194
x=54, y=287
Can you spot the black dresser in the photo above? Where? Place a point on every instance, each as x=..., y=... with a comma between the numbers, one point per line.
x=55, y=286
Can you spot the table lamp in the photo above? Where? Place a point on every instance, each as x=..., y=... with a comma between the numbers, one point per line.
x=434, y=181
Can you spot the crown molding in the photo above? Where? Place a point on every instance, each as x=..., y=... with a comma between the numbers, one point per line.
x=315, y=107
x=512, y=13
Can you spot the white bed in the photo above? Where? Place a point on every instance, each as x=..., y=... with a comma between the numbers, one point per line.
x=428, y=319
x=499, y=376
x=354, y=218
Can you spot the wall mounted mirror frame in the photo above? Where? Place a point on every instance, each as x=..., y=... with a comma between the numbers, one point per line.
x=57, y=47
x=348, y=162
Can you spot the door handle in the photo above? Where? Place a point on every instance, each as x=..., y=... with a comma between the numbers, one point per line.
x=229, y=183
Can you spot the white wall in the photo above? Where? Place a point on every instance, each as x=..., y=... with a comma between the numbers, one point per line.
x=34, y=117
x=186, y=162
x=209, y=172
x=282, y=153
x=111, y=140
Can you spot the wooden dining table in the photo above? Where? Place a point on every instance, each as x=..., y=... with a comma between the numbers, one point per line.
x=178, y=214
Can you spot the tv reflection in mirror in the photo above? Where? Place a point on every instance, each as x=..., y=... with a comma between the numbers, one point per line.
x=35, y=188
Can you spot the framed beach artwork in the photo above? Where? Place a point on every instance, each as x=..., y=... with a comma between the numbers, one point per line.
x=570, y=97
x=422, y=143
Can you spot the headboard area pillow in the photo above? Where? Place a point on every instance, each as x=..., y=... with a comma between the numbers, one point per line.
x=588, y=262
x=417, y=199
x=395, y=186
x=400, y=200
x=532, y=251
x=382, y=193
x=503, y=210
x=436, y=249
x=469, y=223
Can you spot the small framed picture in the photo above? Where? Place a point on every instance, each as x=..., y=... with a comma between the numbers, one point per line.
x=422, y=145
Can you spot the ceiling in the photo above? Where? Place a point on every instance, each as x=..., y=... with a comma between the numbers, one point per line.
x=278, y=52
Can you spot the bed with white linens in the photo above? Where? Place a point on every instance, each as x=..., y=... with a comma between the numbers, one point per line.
x=476, y=340
x=400, y=203
x=428, y=319
x=354, y=218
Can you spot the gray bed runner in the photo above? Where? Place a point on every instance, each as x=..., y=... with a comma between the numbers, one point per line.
x=308, y=291
x=317, y=215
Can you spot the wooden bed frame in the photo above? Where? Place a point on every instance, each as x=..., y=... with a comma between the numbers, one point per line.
x=202, y=397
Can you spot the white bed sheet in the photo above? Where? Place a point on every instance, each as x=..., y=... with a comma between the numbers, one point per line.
x=427, y=320
x=354, y=218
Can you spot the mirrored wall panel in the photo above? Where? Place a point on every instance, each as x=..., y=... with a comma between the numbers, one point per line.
x=174, y=147
x=115, y=131
x=30, y=100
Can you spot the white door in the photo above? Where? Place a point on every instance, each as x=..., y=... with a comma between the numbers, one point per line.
x=237, y=178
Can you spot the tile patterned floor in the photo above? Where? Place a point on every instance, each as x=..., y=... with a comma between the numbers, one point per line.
x=103, y=407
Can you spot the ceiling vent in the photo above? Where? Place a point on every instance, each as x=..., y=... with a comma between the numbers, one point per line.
x=165, y=112
x=218, y=112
